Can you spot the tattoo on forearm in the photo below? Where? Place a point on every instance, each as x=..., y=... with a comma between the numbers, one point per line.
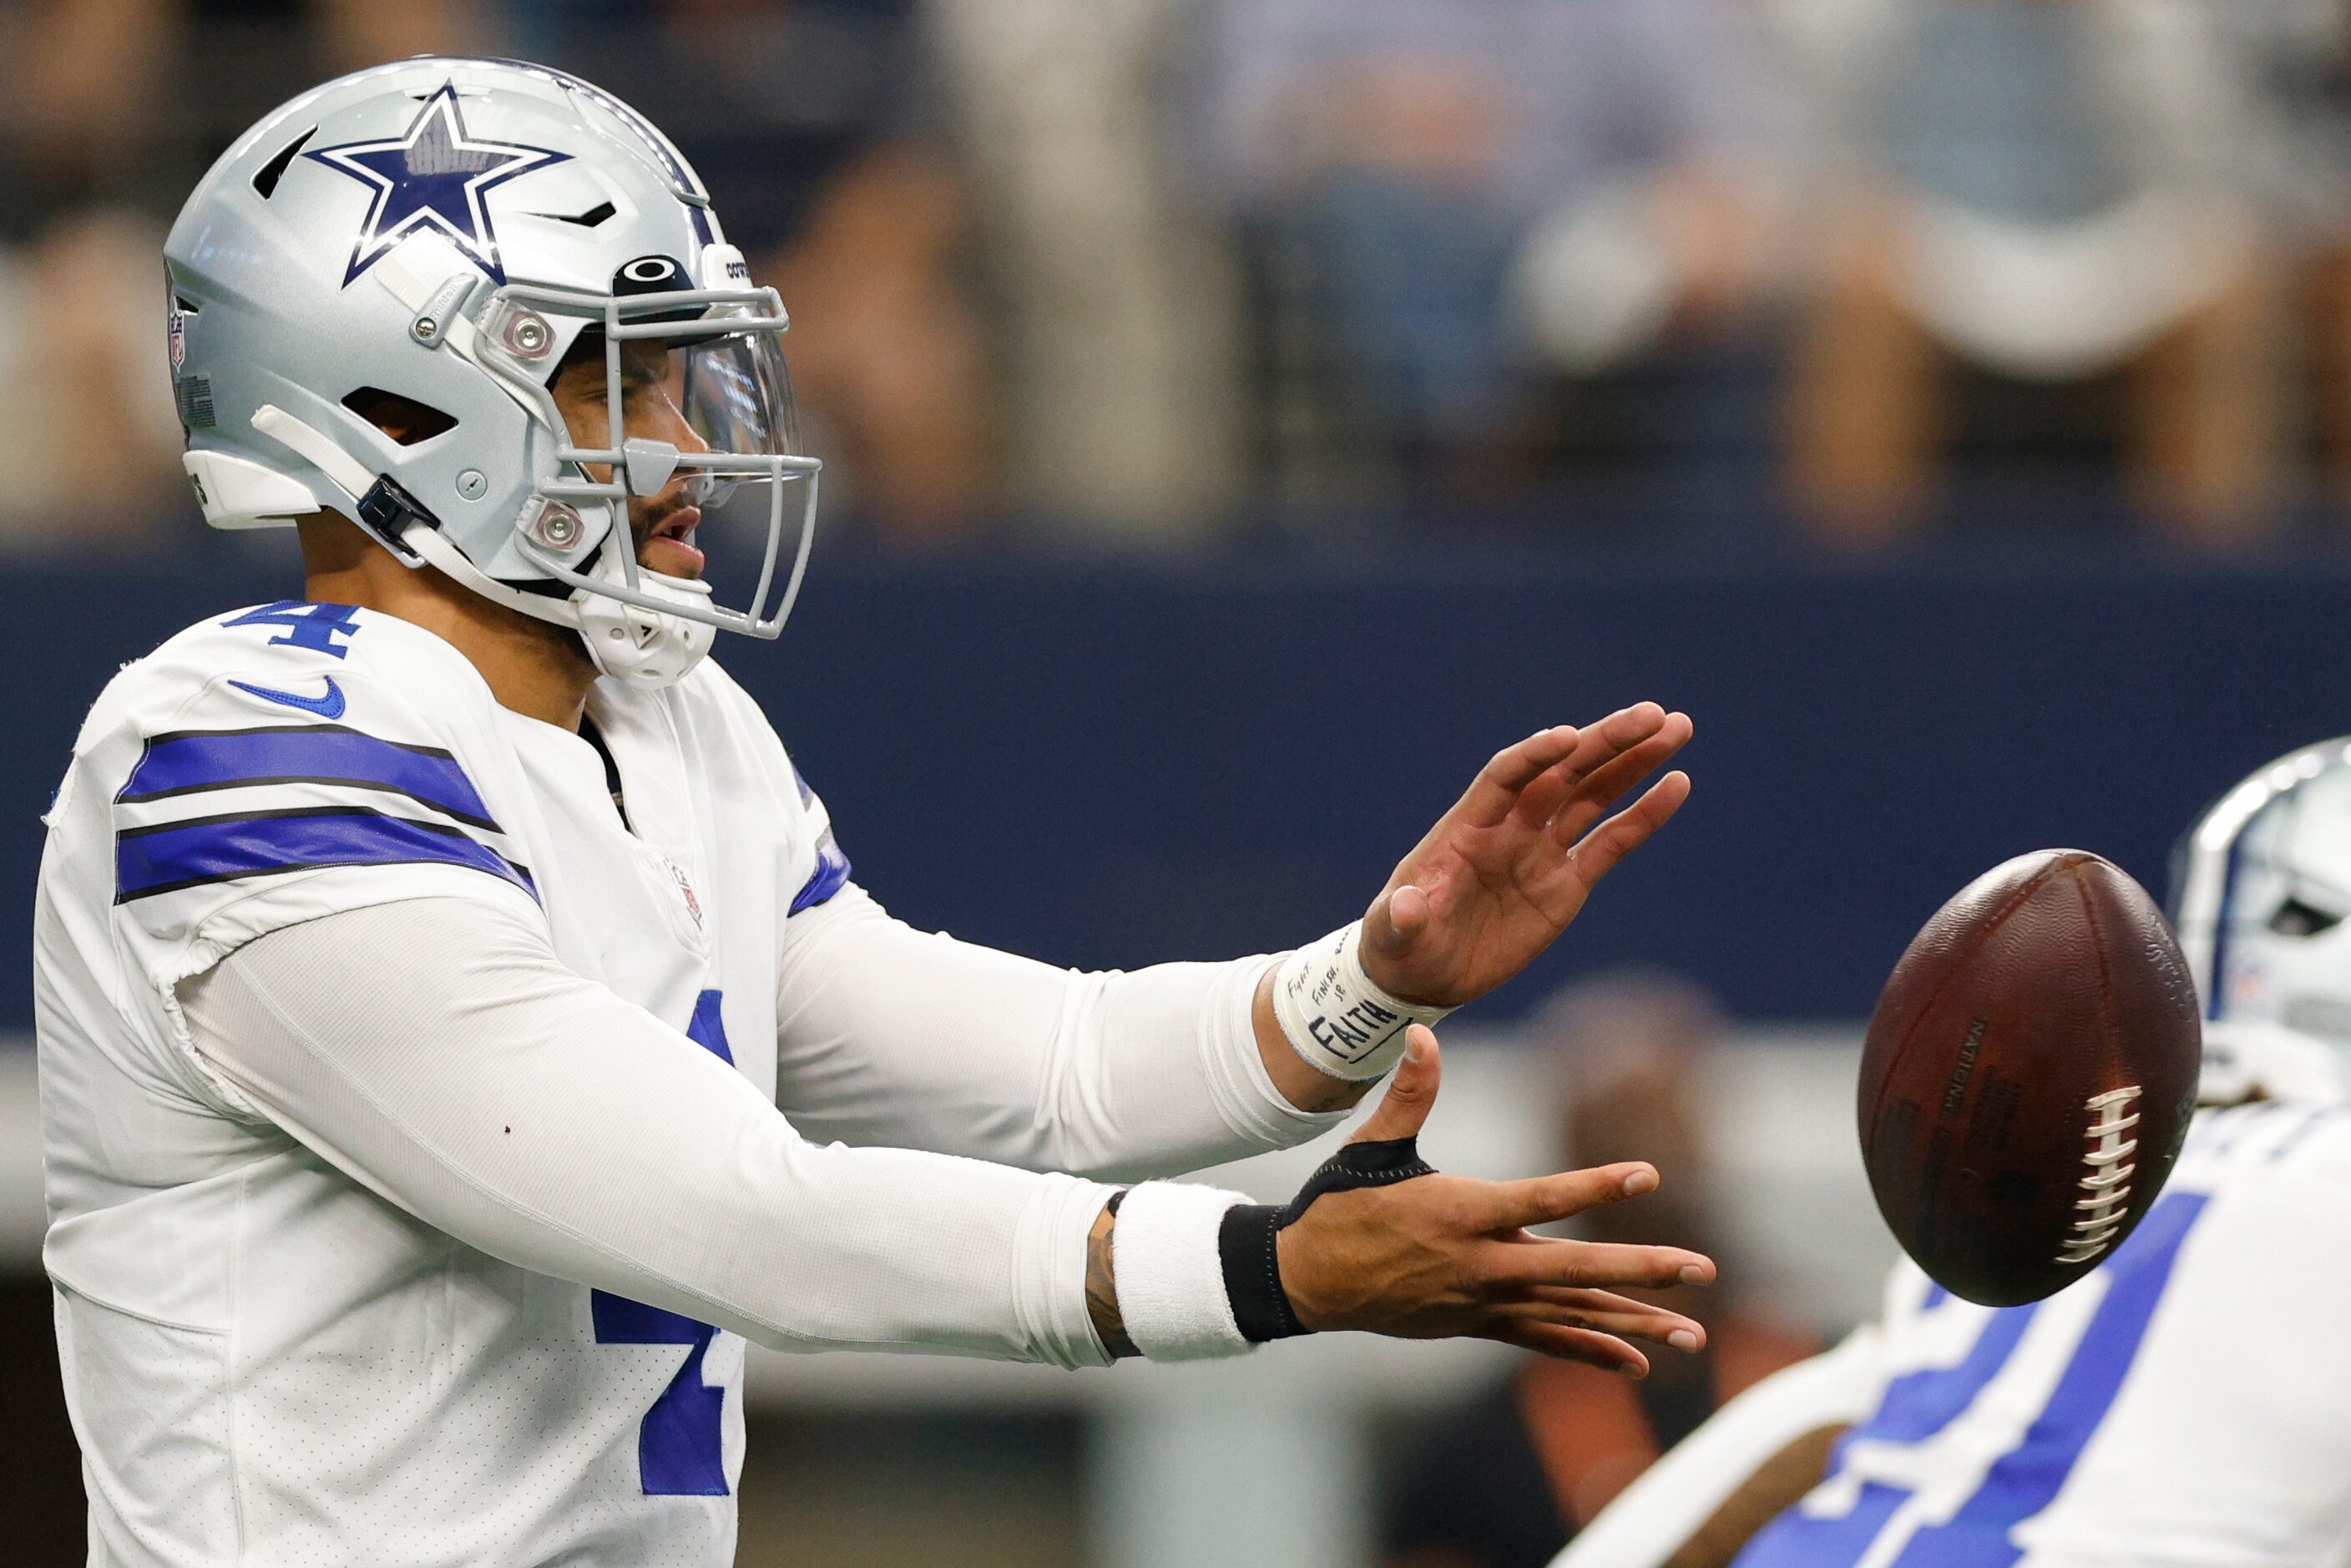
x=1102, y=1289
x=1330, y=1094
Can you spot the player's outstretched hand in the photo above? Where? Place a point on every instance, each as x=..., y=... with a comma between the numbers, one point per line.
x=1444, y=1257
x=1503, y=873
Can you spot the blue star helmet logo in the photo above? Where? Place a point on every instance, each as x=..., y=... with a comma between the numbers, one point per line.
x=434, y=177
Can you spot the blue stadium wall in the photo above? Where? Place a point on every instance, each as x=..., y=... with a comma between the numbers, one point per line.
x=1106, y=764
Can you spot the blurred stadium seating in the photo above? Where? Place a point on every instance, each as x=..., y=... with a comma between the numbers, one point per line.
x=1187, y=367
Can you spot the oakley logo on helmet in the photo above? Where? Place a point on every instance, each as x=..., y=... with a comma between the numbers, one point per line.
x=434, y=177
x=648, y=275
x=655, y=274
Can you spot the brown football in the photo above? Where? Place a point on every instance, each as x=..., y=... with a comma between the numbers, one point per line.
x=2029, y=1075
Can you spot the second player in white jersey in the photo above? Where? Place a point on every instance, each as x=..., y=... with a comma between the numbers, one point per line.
x=2129, y=1421
x=2125, y=1422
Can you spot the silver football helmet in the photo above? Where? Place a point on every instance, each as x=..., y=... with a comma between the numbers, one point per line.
x=2262, y=901
x=439, y=234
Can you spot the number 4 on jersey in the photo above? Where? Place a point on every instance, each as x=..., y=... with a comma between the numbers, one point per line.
x=679, y=1446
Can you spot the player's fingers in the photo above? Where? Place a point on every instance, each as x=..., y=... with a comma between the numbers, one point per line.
x=1604, y=1351
x=1496, y=789
x=1572, y=796
x=1628, y=830
x=1410, y=1093
x=1538, y=1200
x=1591, y=1265
x=1540, y=801
x=1585, y=805
x=1619, y=732
x=1603, y=1311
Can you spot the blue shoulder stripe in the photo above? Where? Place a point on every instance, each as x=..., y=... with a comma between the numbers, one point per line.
x=2020, y=1484
x=173, y=855
x=830, y=875
x=2026, y=1480
x=1913, y=1407
x=185, y=762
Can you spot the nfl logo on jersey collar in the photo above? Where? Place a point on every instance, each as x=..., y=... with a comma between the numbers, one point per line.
x=433, y=177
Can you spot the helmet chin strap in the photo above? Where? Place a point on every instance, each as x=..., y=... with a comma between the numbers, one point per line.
x=643, y=647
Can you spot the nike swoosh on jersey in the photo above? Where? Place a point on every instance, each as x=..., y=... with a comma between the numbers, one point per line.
x=327, y=707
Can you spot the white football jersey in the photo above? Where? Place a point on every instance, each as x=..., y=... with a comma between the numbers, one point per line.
x=256, y=1348
x=2186, y=1404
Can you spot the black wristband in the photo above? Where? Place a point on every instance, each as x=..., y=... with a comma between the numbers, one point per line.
x=1246, y=1239
x=1262, y=1309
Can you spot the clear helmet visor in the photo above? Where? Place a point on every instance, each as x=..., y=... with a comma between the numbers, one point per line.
x=735, y=394
x=675, y=413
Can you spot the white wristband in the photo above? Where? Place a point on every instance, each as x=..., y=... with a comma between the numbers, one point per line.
x=1170, y=1274
x=1333, y=1015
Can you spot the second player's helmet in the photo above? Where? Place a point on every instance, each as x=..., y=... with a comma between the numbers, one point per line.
x=2261, y=900
x=437, y=236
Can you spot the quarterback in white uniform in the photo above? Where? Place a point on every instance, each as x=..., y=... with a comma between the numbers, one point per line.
x=458, y=1030
x=2127, y=1421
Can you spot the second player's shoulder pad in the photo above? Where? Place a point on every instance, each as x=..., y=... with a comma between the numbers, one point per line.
x=2290, y=1139
x=297, y=738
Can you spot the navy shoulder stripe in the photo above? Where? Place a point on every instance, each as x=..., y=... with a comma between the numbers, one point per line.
x=830, y=875
x=185, y=762
x=169, y=856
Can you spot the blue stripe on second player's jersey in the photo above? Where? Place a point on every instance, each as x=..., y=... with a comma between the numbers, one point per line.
x=150, y=861
x=194, y=760
x=2025, y=1480
x=1913, y=1407
x=1921, y=1404
x=830, y=875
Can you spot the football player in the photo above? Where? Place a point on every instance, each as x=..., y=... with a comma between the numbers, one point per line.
x=2128, y=1421
x=459, y=1032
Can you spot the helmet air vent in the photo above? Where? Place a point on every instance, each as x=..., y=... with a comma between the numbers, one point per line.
x=587, y=219
x=2295, y=918
x=265, y=178
x=405, y=420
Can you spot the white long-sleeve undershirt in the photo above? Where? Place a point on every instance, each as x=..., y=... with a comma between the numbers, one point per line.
x=891, y=1036
x=491, y=1092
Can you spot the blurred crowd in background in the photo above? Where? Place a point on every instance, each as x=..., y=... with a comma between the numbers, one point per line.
x=1664, y=276
x=1155, y=272
x=1510, y=1474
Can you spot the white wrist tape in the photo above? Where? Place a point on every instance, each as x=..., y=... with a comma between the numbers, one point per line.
x=1335, y=1016
x=1170, y=1274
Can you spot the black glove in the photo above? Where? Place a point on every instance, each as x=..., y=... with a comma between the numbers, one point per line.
x=1245, y=1243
